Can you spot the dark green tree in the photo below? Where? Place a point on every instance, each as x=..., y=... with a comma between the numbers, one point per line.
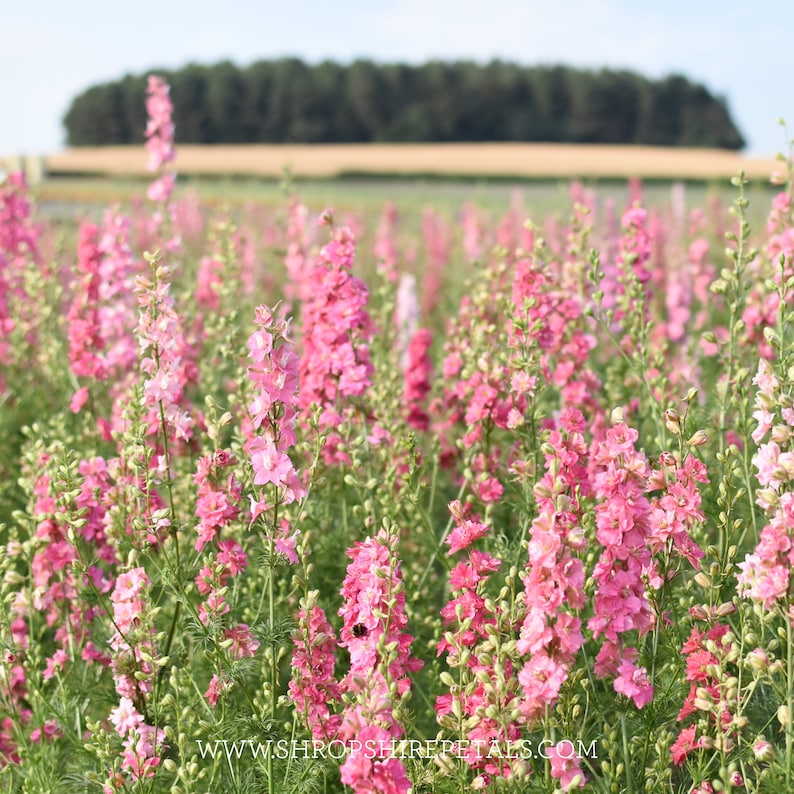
x=289, y=101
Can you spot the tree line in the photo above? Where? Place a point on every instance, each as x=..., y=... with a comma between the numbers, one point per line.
x=289, y=101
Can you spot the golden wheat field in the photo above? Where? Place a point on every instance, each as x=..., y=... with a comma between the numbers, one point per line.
x=473, y=160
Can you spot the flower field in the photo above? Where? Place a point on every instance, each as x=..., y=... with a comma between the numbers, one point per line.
x=292, y=502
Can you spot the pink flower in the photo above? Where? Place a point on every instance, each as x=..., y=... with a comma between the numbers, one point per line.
x=684, y=745
x=161, y=189
x=540, y=678
x=244, y=644
x=129, y=584
x=633, y=682
x=55, y=664
x=125, y=717
x=79, y=400
x=366, y=773
x=464, y=534
x=269, y=464
x=214, y=690
x=565, y=766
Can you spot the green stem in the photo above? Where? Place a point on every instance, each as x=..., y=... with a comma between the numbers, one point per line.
x=273, y=673
x=626, y=761
x=271, y=616
x=790, y=704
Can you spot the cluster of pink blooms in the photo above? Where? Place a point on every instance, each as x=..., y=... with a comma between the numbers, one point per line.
x=385, y=249
x=313, y=686
x=133, y=646
x=374, y=619
x=143, y=745
x=550, y=634
x=468, y=621
x=159, y=137
x=335, y=366
x=218, y=495
x=512, y=234
x=117, y=310
x=473, y=233
x=676, y=511
x=19, y=244
x=418, y=370
x=549, y=316
x=273, y=411
x=299, y=264
x=131, y=635
x=217, y=505
x=373, y=632
x=437, y=239
x=709, y=698
x=623, y=528
x=167, y=359
x=765, y=575
x=545, y=323
x=634, y=252
x=477, y=396
x=566, y=766
x=85, y=339
x=103, y=315
x=781, y=226
x=210, y=279
x=406, y=312
x=60, y=592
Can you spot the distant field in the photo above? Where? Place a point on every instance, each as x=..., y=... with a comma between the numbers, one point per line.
x=498, y=160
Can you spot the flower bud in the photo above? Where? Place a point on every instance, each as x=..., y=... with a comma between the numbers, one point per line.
x=702, y=579
x=763, y=750
x=672, y=420
x=758, y=660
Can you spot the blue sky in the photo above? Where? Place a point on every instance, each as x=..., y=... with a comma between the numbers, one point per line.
x=51, y=50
